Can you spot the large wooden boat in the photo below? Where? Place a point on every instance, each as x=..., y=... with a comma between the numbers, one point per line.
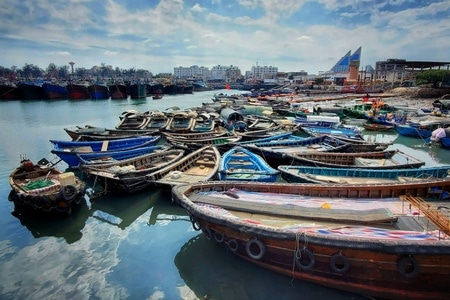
x=98, y=91
x=224, y=142
x=93, y=133
x=366, y=239
x=378, y=127
x=324, y=175
x=129, y=175
x=290, y=144
x=68, y=150
x=96, y=158
x=78, y=91
x=55, y=91
x=41, y=189
x=392, y=159
x=138, y=91
x=241, y=164
x=31, y=91
x=200, y=165
x=118, y=91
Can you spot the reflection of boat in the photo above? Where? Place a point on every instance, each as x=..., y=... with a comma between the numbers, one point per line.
x=241, y=164
x=365, y=239
x=128, y=176
x=70, y=229
x=68, y=150
x=359, y=175
x=236, y=280
x=44, y=190
x=112, y=209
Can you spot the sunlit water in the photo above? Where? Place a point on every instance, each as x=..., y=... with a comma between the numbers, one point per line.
x=138, y=246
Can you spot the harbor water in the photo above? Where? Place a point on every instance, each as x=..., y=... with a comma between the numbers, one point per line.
x=138, y=246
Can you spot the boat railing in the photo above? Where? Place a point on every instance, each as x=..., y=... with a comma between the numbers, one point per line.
x=440, y=220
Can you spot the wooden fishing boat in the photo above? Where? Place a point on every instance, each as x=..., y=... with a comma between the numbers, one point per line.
x=241, y=164
x=324, y=175
x=216, y=132
x=182, y=121
x=92, y=158
x=93, y=133
x=392, y=159
x=349, y=133
x=68, y=150
x=363, y=145
x=366, y=239
x=377, y=127
x=204, y=122
x=200, y=165
x=98, y=91
x=290, y=144
x=129, y=175
x=157, y=120
x=222, y=142
x=41, y=189
x=132, y=119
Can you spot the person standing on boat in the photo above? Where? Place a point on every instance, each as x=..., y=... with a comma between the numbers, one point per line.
x=366, y=98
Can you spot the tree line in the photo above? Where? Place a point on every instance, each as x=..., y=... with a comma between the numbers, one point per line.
x=31, y=71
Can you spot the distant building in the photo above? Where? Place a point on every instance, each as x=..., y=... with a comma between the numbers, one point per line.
x=190, y=72
x=395, y=70
x=261, y=73
x=346, y=70
x=225, y=73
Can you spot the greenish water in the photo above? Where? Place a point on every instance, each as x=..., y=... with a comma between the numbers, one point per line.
x=127, y=247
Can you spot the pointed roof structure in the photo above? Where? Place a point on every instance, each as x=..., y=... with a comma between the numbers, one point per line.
x=343, y=65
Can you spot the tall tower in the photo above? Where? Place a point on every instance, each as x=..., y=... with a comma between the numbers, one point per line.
x=71, y=64
x=355, y=60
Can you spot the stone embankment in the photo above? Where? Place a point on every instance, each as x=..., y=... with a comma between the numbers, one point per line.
x=423, y=93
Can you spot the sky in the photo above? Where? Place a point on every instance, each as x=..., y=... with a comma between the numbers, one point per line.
x=158, y=35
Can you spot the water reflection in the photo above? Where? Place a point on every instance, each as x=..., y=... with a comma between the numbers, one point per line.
x=117, y=210
x=211, y=272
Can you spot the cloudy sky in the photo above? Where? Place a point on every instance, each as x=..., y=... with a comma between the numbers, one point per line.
x=158, y=35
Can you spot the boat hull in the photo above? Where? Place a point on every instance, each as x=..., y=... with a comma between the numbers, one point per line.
x=387, y=267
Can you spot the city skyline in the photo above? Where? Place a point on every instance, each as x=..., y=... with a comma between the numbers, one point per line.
x=160, y=35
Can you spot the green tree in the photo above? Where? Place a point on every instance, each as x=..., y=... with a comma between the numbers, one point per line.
x=432, y=76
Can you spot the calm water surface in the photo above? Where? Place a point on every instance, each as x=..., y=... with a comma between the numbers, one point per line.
x=127, y=247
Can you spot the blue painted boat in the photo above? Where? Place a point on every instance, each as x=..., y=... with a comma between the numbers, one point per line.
x=55, y=91
x=324, y=175
x=241, y=164
x=99, y=157
x=412, y=130
x=98, y=91
x=290, y=144
x=68, y=150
